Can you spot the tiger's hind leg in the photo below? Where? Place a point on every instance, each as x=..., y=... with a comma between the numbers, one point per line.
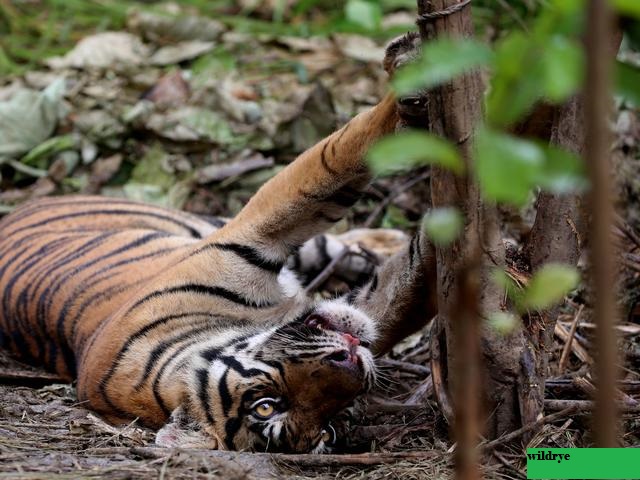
x=401, y=296
x=349, y=259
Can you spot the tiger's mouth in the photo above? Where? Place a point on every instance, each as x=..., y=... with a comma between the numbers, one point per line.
x=323, y=322
x=348, y=357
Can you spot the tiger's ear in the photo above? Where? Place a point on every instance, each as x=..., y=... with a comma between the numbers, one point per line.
x=181, y=432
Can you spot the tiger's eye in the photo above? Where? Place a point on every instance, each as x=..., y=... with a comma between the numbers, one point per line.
x=264, y=409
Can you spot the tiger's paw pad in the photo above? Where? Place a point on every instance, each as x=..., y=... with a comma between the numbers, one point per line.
x=412, y=108
x=400, y=51
x=180, y=432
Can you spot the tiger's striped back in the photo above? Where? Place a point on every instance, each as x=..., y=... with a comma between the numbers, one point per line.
x=65, y=261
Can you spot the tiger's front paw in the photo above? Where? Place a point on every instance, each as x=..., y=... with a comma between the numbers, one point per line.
x=412, y=108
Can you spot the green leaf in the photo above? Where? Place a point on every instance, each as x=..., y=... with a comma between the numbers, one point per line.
x=366, y=14
x=627, y=7
x=546, y=64
x=511, y=288
x=395, y=217
x=628, y=82
x=562, y=172
x=513, y=92
x=563, y=68
x=151, y=171
x=441, y=61
x=38, y=155
x=407, y=150
x=503, y=322
x=549, y=285
x=506, y=167
x=443, y=225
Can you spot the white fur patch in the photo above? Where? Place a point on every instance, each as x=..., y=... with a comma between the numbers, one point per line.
x=348, y=319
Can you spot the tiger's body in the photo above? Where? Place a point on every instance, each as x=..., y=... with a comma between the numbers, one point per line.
x=159, y=312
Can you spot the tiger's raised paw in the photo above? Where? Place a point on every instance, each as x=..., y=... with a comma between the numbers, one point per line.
x=405, y=49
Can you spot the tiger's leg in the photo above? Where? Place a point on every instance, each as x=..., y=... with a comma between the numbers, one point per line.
x=314, y=191
x=401, y=296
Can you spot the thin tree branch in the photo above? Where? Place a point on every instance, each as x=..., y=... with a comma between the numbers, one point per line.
x=597, y=105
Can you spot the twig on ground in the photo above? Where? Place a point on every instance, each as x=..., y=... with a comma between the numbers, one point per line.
x=626, y=328
x=405, y=366
x=327, y=271
x=509, y=465
x=561, y=430
x=421, y=393
x=584, y=406
x=531, y=426
x=629, y=232
x=381, y=405
x=27, y=378
x=373, y=216
x=579, y=351
x=302, y=460
x=567, y=346
x=588, y=387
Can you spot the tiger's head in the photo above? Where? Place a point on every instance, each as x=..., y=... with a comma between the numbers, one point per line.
x=277, y=390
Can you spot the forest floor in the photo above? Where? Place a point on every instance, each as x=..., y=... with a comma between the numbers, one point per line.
x=187, y=111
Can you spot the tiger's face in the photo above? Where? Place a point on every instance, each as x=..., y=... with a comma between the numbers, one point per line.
x=278, y=390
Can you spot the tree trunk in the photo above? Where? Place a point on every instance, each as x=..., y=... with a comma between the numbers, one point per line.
x=514, y=365
x=453, y=112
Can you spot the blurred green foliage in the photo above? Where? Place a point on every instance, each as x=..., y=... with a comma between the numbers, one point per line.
x=412, y=149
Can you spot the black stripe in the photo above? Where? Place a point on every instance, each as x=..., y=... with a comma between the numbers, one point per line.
x=192, y=231
x=323, y=159
x=135, y=337
x=203, y=392
x=321, y=245
x=156, y=353
x=372, y=286
x=158, y=376
x=352, y=295
x=235, y=365
x=214, y=221
x=345, y=197
x=223, y=392
x=252, y=256
x=59, y=282
x=201, y=290
x=344, y=130
x=105, y=294
x=231, y=428
x=211, y=354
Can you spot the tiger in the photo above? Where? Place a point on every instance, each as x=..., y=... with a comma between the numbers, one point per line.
x=201, y=330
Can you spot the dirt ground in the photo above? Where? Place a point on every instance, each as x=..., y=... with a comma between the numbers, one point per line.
x=46, y=433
